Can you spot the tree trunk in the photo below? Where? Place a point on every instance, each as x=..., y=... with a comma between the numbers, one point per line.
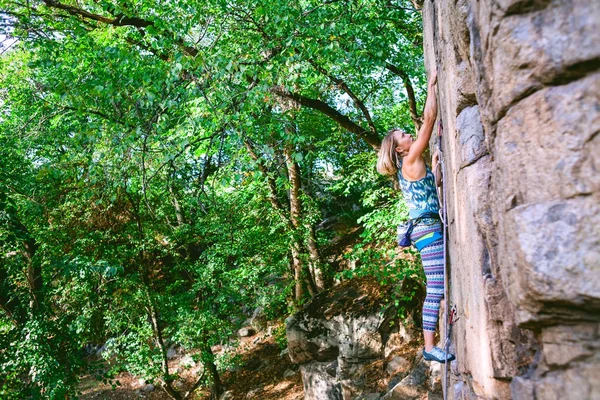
x=208, y=359
x=157, y=328
x=302, y=275
x=297, y=268
x=177, y=206
x=34, y=269
x=315, y=259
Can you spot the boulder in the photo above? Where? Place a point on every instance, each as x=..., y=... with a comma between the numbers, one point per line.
x=398, y=365
x=228, y=395
x=148, y=388
x=187, y=362
x=319, y=379
x=289, y=373
x=258, y=320
x=368, y=396
x=343, y=330
x=254, y=393
x=171, y=353
x=246, y=331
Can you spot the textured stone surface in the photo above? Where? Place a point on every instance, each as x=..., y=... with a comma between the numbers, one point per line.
x=369, y=396
x=319, y=381
x=413, y=384
x=341, y=331
x=398, y=337
x=551, y=222
x=471, y=138
x=398, y=365
x=246, y=331
x=519, y=97
x=547, y=46
x=567, y=344
x=550, y=270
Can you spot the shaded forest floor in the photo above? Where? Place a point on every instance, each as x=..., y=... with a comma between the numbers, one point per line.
x=260, y=373
x=259, y=376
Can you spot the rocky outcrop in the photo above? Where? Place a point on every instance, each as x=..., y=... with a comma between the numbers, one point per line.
x=519, y=95
x=351, y=345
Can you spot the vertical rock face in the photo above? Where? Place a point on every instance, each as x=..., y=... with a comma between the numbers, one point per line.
x=519, y=95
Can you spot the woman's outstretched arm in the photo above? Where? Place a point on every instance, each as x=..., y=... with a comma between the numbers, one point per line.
x=429, y=116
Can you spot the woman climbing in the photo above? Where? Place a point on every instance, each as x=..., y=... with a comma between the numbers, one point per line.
x=402, y=155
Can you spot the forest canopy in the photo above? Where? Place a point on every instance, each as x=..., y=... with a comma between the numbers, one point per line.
x=169, y=168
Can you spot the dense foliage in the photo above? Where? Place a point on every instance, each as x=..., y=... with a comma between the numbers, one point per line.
x=167, y=168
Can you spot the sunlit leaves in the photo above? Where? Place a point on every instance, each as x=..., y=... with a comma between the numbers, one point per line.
x=124, y=160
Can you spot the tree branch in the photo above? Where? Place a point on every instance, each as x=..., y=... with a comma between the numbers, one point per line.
x=342, y=120
x=96, y=17
x=342, y=85
x=281, y=210
x=119, y=20
x=412, y=102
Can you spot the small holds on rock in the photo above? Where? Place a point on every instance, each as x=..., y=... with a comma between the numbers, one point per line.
x=246, y=331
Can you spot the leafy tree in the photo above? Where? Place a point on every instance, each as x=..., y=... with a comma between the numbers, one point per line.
x=167, y=167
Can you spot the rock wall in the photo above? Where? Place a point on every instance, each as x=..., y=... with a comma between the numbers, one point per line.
x=519, y=97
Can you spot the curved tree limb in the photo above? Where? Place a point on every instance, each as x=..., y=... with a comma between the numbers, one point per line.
x=342, y=85
x=119, y=20
x=342, y=120
x=412, y=102
x=281, y=210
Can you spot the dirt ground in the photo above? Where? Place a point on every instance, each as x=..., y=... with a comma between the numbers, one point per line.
x=260, y=376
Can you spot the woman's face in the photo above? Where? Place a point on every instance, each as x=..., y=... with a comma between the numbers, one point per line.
x=403, y=141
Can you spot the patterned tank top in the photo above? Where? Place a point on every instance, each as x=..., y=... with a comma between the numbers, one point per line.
x=420, y=196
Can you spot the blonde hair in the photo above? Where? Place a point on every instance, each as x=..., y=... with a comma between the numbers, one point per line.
x=388, y=160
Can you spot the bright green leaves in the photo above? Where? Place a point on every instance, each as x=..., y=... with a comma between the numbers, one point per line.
x=124, y=157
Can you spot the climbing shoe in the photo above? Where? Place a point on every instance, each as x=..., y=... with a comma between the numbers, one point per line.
x=437, y=354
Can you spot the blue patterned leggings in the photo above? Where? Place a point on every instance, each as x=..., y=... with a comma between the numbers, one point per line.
x=432, y=257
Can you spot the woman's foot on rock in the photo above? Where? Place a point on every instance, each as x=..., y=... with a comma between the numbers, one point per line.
x=437, y=354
